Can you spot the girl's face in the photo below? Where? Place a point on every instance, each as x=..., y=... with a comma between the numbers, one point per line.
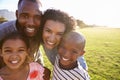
x=52, y=33
x=14, y=52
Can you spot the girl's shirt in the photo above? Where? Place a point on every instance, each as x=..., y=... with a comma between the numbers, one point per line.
x=35, y=73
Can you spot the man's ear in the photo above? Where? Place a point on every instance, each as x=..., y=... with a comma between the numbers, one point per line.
x=16, y=14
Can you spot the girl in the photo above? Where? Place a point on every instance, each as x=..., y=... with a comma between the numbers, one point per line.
x=14, y=49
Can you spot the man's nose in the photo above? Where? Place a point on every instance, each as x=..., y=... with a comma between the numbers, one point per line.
x=30, y=21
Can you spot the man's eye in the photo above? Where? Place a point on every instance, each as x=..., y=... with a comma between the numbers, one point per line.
x=38, y=17
x=24, y=16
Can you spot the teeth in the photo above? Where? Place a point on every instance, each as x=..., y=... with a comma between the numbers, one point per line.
x=30, y=29
x=65, y=59
x=50, y=43
x=14, y=62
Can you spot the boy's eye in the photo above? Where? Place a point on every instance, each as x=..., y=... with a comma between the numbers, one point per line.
x=73, y=51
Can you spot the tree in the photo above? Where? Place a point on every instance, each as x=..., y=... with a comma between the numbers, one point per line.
x=80, y=23
x=2, y=19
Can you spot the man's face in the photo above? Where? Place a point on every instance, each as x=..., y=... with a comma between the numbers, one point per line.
x=29, y=17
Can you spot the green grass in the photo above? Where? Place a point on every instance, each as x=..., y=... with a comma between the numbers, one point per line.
x=102, y=53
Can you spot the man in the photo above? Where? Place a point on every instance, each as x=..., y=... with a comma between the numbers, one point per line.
x=27, y=23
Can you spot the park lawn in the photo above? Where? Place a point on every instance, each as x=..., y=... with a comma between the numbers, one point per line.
x=102, y=53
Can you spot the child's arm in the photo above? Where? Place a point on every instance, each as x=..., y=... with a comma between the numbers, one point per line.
x=47, y=73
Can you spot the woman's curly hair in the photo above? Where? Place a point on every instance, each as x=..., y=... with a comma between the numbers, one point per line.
x=60, y=16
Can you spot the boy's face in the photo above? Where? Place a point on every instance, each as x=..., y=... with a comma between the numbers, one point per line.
x=52, y=33
x=69, y=51
x=14, y=52
x=29, y=17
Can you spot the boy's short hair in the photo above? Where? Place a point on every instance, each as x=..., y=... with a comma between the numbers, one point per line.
x=77, y=36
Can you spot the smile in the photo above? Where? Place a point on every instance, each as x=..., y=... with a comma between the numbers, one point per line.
x=65, y=59
x=30, y=29
x=14, y=62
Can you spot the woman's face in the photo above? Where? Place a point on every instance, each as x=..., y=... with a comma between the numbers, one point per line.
x=52, y=33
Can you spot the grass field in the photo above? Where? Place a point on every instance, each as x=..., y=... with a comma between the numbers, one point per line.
x=102, y=53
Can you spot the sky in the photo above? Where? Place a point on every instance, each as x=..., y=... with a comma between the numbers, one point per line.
x=93, y=12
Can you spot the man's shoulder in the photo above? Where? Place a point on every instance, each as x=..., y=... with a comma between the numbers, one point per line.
x=6, y=28
x=7, y=24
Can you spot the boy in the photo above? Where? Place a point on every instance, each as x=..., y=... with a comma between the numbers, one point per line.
x=66, y=66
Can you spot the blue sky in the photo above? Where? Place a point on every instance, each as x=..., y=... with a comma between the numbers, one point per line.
x=100, y=12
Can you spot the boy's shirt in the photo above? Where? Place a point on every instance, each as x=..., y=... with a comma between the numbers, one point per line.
x=77, y=73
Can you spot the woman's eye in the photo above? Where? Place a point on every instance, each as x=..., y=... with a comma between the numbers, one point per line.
x=47, y=30
x=60, y=34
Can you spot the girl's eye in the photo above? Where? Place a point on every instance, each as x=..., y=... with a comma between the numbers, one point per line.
x=7, y=50
x=21, y=50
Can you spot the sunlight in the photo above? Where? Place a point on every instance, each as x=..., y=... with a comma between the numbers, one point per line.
x=98, y=12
